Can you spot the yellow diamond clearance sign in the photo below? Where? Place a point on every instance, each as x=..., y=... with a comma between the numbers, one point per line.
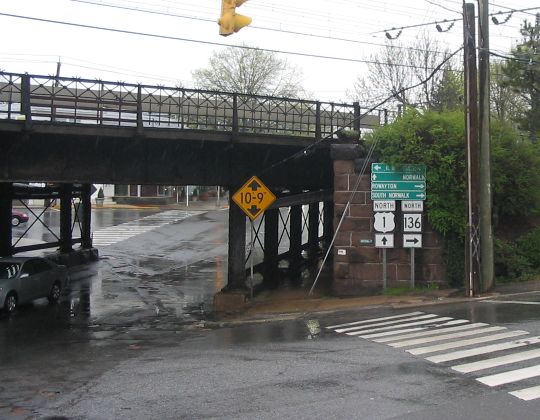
x=254, y=197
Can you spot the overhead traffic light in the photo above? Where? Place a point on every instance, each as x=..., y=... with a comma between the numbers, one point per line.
x=230, y=21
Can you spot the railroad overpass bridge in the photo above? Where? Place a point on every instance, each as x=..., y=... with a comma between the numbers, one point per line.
x=75, y=132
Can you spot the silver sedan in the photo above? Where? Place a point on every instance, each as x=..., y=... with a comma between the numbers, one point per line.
x=24, y=279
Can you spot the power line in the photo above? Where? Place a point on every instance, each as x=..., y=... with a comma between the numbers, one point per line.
x=219, y=44
x=264, y=28
x=447, y=21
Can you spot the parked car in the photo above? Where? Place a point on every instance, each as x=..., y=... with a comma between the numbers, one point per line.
x=24, y=279
x=18, y=217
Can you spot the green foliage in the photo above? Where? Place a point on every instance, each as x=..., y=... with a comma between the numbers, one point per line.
x=448, y=93
x=515, y=175
x=528, y=247
x=510, y=264
x=522, y=74
x=437, y=140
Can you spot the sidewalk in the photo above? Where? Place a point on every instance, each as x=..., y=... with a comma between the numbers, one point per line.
x=290, y=304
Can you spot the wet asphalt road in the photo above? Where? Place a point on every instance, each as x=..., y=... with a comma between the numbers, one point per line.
x=129, y=341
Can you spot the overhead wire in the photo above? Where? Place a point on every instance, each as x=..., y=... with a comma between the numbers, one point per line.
x=174, y=38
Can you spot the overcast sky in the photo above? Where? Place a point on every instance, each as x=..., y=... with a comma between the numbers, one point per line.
x=345, y=30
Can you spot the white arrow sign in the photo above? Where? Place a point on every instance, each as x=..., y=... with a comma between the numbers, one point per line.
x=384, y=222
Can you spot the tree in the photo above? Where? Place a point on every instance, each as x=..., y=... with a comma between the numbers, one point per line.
x=448, y=93
x=250, y=71
x=506, y=105
x=522, y=74
x=397, y=67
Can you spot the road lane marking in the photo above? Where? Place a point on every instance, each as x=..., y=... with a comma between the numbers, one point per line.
x=511, y=376
x=430, y=339
x=527, y=394
x=409, y=324
x=464, y=343
x=497, y=361
x=430, y=331
x=391, y=333
x=514, y=302
x=117, y=233
x=381, y=324
x=367, y=321
x=462, y=354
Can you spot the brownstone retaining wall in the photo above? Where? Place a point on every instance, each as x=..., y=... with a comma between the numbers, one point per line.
x=360, y=270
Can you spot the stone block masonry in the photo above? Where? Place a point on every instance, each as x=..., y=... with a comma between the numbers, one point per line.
x=358, y=265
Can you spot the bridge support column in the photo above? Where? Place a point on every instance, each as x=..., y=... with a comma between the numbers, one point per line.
x=237, y=248
x=271, y=244
x=295, y=246
x=65, y=219
x=6, y=198
x=86, y=217
x=313, y=228
x=328, y=223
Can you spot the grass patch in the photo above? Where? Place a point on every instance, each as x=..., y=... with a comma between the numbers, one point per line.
x=403, y=291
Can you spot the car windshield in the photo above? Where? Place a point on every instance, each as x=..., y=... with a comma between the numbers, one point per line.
x=9, y=270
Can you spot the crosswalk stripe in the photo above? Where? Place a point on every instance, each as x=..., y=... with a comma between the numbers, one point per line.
x=527, y=394
x=430, y=339
x=381, y=324
x=510, y=376
x=464, y=343
x=441, y=328
x=497, y=361
x=117, y=233
x=462, y=354
x=367, y=321
x=390, y=327
x=387, y=334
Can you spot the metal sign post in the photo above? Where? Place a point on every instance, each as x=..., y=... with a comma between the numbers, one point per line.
x=251, y=252
x=412, y=268
x=384, y=268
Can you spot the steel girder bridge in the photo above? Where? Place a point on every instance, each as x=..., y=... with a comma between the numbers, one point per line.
x=75, y=132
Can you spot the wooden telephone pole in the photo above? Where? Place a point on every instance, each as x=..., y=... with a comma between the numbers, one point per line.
x=472, y=243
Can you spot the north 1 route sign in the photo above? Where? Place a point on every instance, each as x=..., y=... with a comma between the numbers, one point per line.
x=254, y=197
x=400, y=182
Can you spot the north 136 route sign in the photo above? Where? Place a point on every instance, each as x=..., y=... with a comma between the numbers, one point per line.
x=254, y=197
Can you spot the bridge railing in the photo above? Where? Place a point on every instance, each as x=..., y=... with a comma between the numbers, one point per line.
x=84, y=101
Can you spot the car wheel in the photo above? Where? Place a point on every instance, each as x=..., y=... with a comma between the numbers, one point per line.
x=10, y=305
x=15, y=221
x=54, y=294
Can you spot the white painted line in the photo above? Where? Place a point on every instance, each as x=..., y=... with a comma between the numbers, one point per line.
x=441, y=328
x=527, y=394
x=382, y=324
x=497, y=361
x=462, y=354
x=367, y=321
x=481, y=330
x=518, y=302
x=463, y=343
x=391, y=327
x=511, y=376
x=393, y=333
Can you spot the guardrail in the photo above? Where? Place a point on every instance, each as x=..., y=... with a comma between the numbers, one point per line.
x=83, y=101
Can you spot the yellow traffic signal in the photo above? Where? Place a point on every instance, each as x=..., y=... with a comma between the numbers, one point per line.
x=230, y=21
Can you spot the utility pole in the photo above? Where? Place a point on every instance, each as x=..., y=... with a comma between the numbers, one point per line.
x=472, y=244
x=486, y=234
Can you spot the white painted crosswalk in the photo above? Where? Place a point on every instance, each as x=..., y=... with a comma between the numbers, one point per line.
x=456, y=341
x=114, y=234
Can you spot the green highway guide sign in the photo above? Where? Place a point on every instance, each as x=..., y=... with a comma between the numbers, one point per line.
x=398, y=182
